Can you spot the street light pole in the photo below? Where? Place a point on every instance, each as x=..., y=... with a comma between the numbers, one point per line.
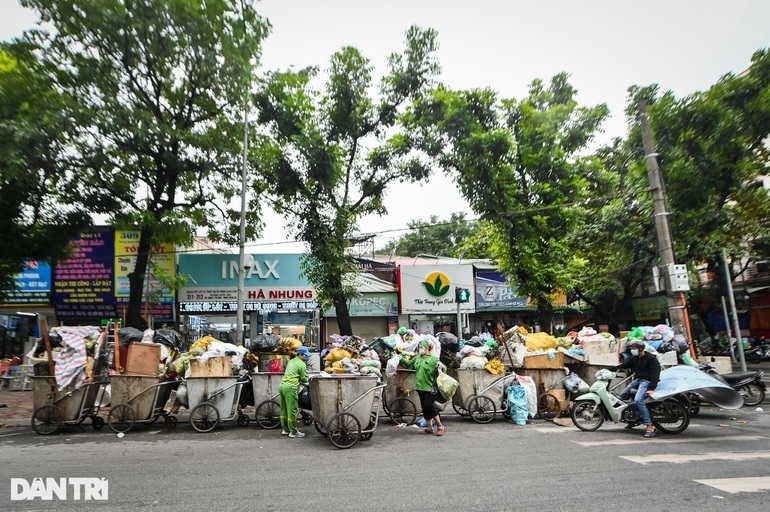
x=665, y=243
x=242, y=239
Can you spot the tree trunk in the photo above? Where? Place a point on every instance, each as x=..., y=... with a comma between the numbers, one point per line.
x=136, y=280
x=343, y=314
x=545, y=314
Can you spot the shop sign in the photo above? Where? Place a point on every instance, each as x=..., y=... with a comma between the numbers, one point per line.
x=33, y=284
x=493, y=292
x=83, y=284
x=232, y=307
x=369, y=304
x=222, y=270
x=431, y=288
x=263, y=294
x=126, y=249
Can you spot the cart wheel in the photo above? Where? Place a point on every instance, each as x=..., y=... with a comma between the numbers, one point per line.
x=402, y=410
x=243, y=420
x=365, y=436
x=320, y=428
x=548, y=406
x=344, y=430
x=460, y=410
x=97, y=422
x=47, y=419
x=268, y=414
x=121, y=418
x=481, y=408
x=204, y=417
x=306, y=417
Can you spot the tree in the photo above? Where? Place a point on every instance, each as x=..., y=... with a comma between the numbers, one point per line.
x=335, y=152
x=153, y=89
x=435, y=237
x=34, y=224
x=518, y=163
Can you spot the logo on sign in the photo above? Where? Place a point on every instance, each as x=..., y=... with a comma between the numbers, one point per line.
x=437, y=284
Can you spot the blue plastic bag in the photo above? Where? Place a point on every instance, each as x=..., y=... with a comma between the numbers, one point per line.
x=517, y=404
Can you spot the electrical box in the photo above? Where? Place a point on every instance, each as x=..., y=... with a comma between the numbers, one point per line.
x=678, y=280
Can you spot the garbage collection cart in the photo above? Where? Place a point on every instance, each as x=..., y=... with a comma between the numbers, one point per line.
x=268, y=408
x=214, y=399
x=342, y=404
x=139, y=399
x=69, y=406
x=400, y=400
x=480, y=394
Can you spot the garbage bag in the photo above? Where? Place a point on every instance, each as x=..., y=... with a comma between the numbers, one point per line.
x=448, y=341
x=446, y=385
x=129, y=335
x=681, y=344
x=264, y=343
x=304, y=397
x=517, y=404
x=168, y=337
x=575, y=384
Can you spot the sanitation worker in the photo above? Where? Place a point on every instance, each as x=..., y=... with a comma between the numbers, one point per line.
x=426, y=365
x=294, y=374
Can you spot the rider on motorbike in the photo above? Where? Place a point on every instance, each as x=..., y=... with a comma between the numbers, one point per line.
x=646, y=369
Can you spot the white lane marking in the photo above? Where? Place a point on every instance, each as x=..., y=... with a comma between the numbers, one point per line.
x=736, y=485
x=551, y=430
x=676, y=458
x=668, y=440
x=14, y=434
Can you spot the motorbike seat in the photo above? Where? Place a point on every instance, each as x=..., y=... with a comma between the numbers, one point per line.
x=736, y=376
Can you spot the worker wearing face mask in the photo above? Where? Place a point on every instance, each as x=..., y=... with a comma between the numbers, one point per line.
x=646, y=369
x=426, y=365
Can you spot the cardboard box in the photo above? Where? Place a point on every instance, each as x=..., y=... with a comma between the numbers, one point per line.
x=561, y=395
x=212, y=367
x=544, y=362
x=603, y=359
x=142, y=359
x=722, y=364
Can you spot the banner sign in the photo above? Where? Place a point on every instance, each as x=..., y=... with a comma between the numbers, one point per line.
x=33, y=285
x=83, y=284
x=494, y=293
x=684, y=379
x=431, y=288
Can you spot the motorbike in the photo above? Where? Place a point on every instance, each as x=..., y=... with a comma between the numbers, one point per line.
x=749, y=384
x=759, y=352
x=670, y=414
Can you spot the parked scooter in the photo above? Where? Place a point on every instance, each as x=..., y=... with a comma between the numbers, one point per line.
x=759, y=352
x=670, y=415
x=749, y=384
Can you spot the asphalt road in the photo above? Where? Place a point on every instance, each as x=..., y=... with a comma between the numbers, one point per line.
x=496, y=466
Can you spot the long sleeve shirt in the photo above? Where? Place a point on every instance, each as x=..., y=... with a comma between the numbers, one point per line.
x=425, y=368
x=646, y=367
x=295, y=371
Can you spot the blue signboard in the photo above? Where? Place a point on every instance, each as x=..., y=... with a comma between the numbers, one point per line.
x=33, y=284
x=493, y=292
x=221, y=270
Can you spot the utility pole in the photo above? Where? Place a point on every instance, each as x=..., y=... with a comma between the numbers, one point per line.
x=676, y=307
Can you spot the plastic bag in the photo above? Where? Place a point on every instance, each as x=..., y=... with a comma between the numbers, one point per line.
x=575, y=384
x=528, y=383
x=168, y=337
x=392, y=365
x=264, y=343
x=540, y=341
x=517, y=404
x=448, y=342
x=129, y=334
x=446, y=385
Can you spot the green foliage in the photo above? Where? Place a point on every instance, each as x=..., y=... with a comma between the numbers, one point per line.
x=154, y=90
x=334, y=151
x=442, y=238
x=519, y=164
x=35, y=223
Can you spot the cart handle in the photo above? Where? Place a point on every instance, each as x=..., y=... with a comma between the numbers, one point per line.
x=375, y=388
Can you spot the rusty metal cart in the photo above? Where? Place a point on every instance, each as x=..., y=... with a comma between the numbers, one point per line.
x=70, y=406
x=268, y=408
x=400, y=400
x=342, y=404
x=480, y=394
x=214, y=399
x=139, y=399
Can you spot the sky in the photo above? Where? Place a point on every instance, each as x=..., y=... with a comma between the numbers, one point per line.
x=606, y=46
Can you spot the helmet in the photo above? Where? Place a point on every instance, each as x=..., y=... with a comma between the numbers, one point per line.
x=638, y=344
x=303, y=352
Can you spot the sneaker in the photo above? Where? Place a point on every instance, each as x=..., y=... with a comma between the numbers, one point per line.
x=285, y=433
x=440, y=431
x=296, y=434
